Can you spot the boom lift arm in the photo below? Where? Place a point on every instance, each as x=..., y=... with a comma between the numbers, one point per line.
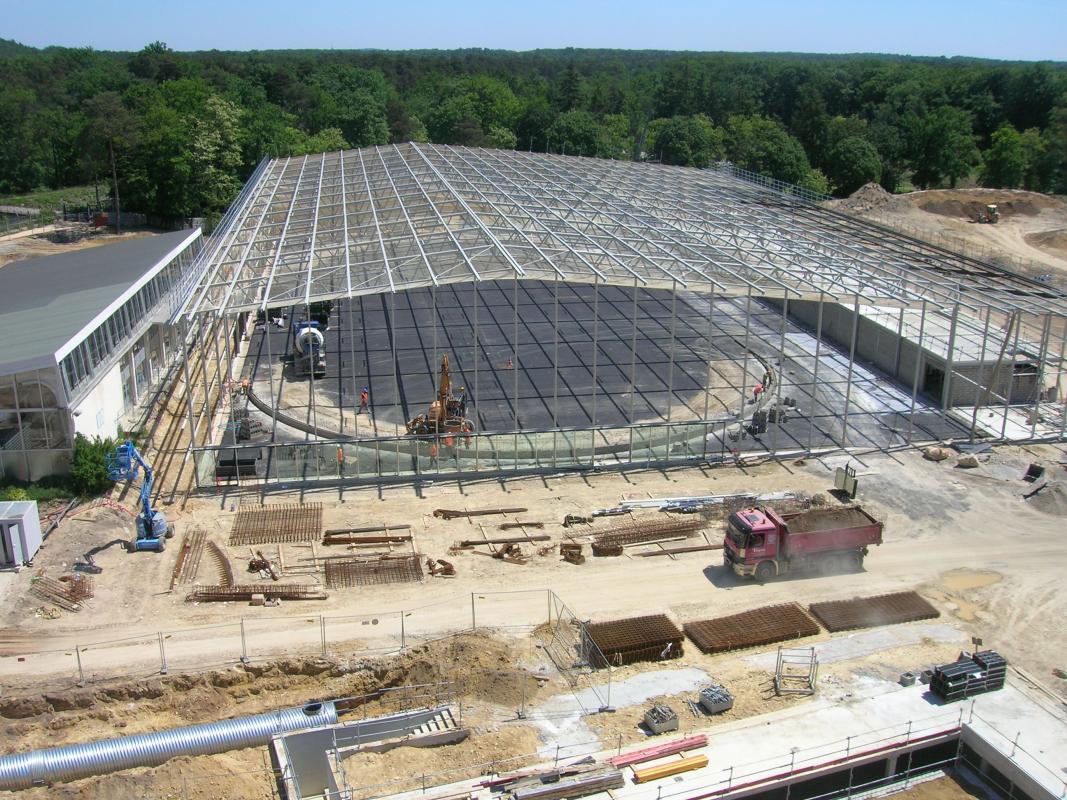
x=123, y=464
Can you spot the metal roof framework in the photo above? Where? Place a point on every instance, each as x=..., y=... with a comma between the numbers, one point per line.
x=390, y=218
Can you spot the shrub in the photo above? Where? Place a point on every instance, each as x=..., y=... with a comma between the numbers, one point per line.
x=16, y=494
x=88, y=470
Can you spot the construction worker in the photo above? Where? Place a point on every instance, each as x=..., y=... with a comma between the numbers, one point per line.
x=433, y=452
x=509, y=364
x=462, y=401
x=364, y=400
x=757, y=390
x=340, y=461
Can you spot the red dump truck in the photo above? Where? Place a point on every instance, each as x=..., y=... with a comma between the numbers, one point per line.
x=763, y=544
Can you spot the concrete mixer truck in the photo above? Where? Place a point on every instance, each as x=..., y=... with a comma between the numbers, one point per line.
x=309, y=350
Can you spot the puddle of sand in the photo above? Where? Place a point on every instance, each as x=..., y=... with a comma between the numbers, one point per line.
x=960, y=580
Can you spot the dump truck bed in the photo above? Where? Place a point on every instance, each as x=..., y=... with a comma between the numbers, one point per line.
x=821, y=530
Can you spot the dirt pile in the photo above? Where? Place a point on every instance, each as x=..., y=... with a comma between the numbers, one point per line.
x=869, y=197
x=1051, y=500
x=969, y=204
x=1052, y=242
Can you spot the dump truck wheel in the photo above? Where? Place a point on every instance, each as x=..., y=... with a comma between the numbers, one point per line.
x=764, y=571
x=854, y=562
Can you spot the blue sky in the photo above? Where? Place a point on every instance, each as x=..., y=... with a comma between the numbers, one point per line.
x=1019, y=29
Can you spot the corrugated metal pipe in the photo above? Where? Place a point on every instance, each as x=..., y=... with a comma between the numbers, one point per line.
x=23, y=770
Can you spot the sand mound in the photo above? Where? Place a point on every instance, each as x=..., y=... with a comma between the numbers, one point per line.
x=970, y=203
x=1051, y=500
x=1052, y=242
x=869, y=197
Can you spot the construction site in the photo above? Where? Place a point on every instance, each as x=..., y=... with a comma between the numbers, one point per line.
x=484, y=474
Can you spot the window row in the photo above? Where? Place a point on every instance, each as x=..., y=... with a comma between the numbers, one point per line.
x=84, y=361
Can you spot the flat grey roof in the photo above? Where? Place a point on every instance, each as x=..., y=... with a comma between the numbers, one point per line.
x=46, y=302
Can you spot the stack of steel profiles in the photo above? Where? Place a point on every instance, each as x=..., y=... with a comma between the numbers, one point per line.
x=345, y=573
x=272, y=591
x=553, y=786
x=867, y=612
x=295, y=522
x=188, y=562
x=759, y=626
x=983, y=671
x=625, y=641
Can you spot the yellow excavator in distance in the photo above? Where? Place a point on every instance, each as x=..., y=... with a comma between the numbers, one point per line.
x=448, y=413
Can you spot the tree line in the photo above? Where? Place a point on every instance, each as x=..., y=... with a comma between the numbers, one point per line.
x=176, y=134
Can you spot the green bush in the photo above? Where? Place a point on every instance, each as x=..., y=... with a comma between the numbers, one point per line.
x=88, y=470
x=15, y=493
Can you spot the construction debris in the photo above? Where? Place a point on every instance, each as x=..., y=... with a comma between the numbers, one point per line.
x=260, y=563
x=297, y=522
x=612, y=541
x=511, y=553
x=540, y=537
x=440, y=568
x=507, y=526
x=625, y=641
x=661, y=719
x=445, y=513
x=189, y=555
x=868, y=612
x=346, y=573
x=558, y=785
x=573, y=519
x=673, y=551
x=759, y=626
x=67, y=593
x=222, y=564
x=716, y=699
x=696, y=503
x=372, y=529
x=571, y=552
x=281, y=591
x=332, y=539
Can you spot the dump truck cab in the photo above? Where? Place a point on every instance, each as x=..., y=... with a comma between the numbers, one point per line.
x=752, y=539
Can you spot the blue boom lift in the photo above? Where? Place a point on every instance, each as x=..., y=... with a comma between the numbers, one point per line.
x=152, y=528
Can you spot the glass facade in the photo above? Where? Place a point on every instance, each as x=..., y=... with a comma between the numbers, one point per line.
x=481, y=454
x=35, y=428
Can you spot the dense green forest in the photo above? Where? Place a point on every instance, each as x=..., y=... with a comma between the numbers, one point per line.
x=181, y=131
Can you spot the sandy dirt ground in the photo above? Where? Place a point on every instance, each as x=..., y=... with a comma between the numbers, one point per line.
x=1031, y=234
x=947, y=787
x=20, y=248
x=939, y=520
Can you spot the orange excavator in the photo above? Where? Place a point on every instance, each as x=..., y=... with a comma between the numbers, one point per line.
x=448, y=413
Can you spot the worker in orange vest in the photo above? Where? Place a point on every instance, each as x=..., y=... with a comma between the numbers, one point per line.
x=364, y=400
x=340, y=461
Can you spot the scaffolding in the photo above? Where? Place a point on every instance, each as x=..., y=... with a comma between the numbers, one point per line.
x=430, y=218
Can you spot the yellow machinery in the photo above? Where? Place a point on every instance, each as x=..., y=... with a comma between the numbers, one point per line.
x=447, y=414
x=991, y=215
x=646, y=774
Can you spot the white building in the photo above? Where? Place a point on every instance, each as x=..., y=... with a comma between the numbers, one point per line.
x=84, y=340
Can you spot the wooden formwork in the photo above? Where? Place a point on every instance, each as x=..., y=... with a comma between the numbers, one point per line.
x=294, y=522
x=759, y=626
x=867, y=612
